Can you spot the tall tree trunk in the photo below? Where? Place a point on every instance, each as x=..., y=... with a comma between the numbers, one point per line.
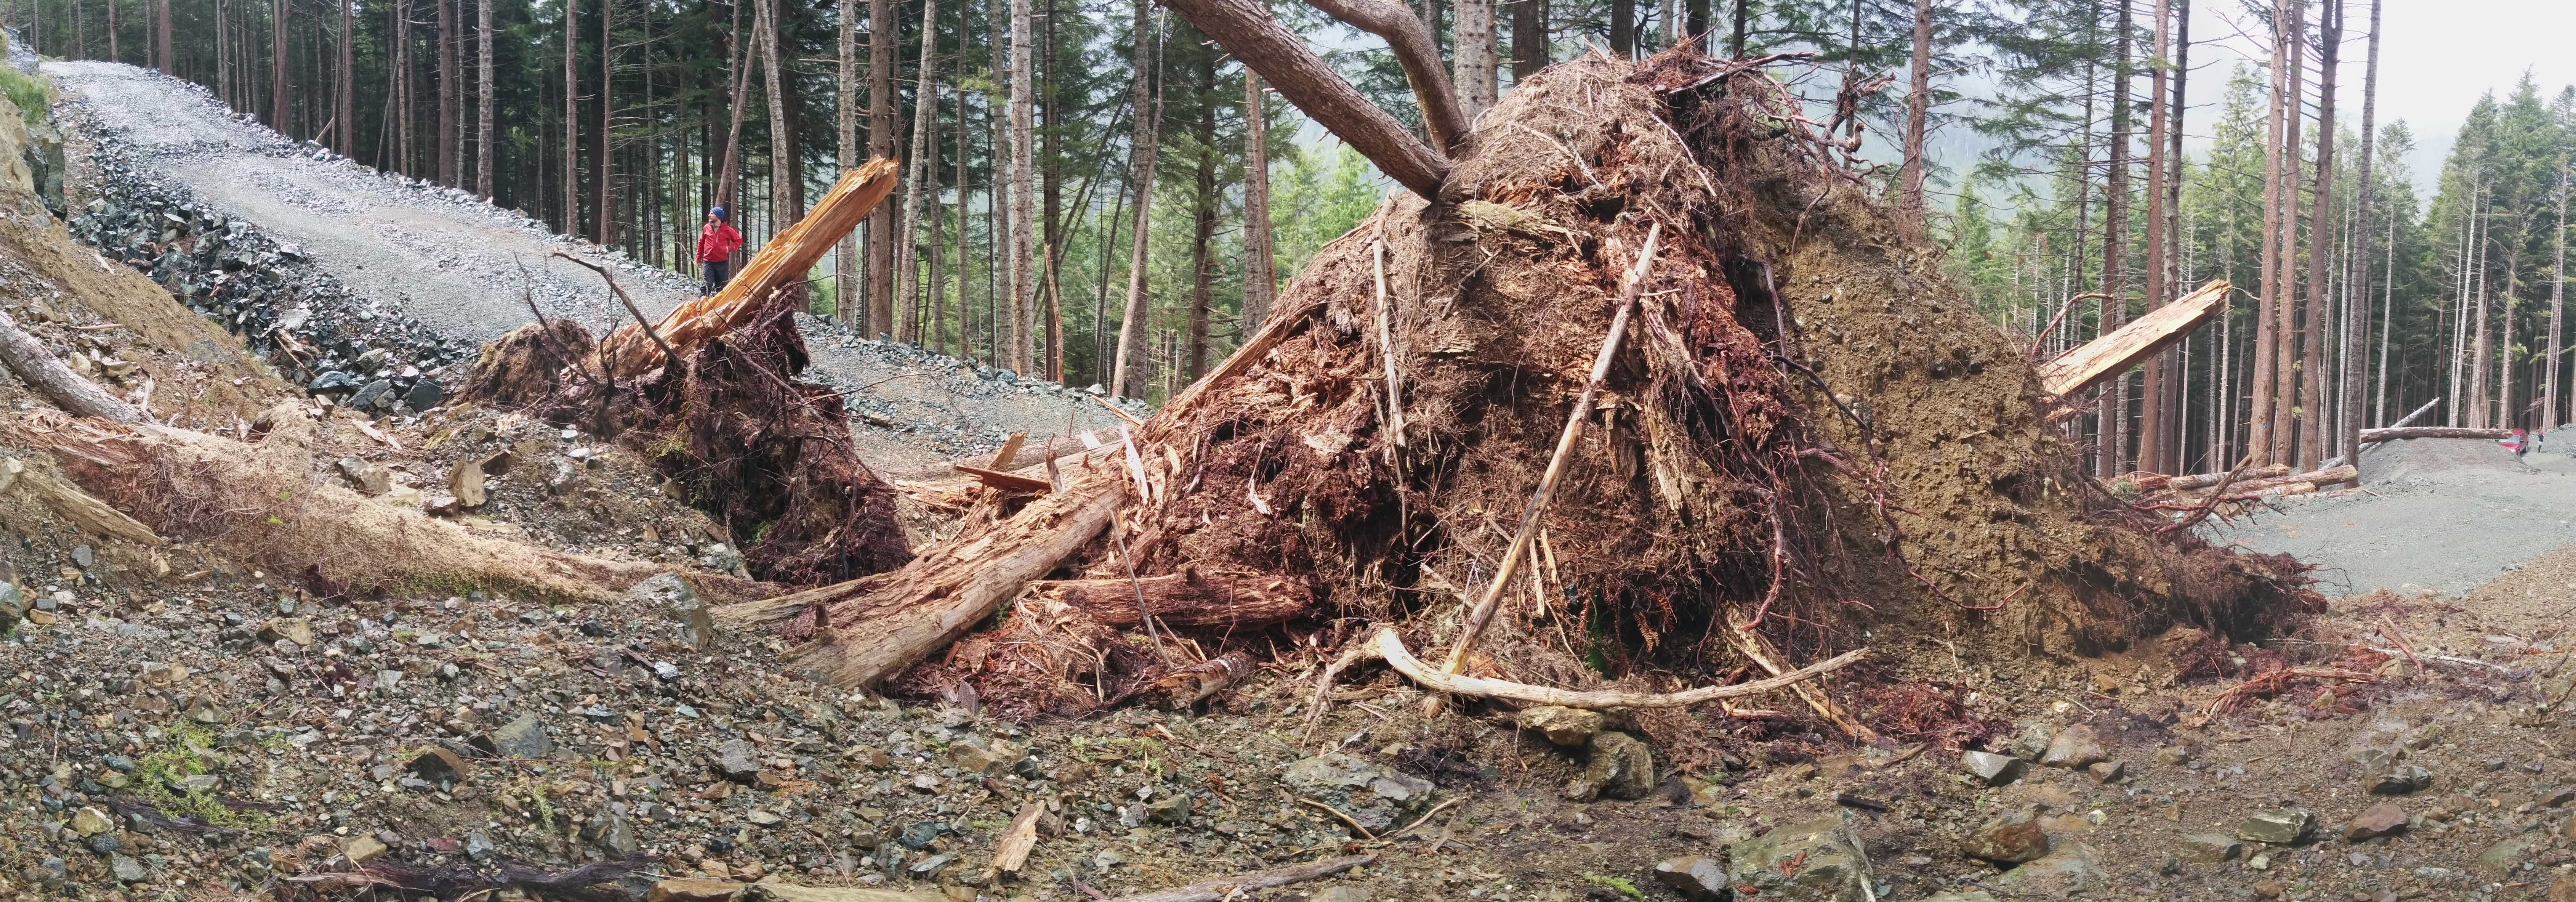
x=113, y=54
x=925, y=174
x=885, y=234
x=845, y=263
x=2549, y=407
x=2152, y=442
x=169, y=57
x=1143, y=147
x=1743, y=16
x=1623, y=29
x=1260, y=273
x=276, y=66
x=1024, y=198
x=1051, y=194
x=2312, y=427
x=484, y=147
x=1530, y=52
x=603, y=176
x=2479, y=392
x=405, y=82
x=2113, y=451
x=1204, y=223
x=2357, y=305
x=1475, y=58
x=451, y=94
x=347, y=102
x=572, y=120
x=1918, y=113
x=2178, y=379
x=729, y=175
x=2285, y=326
x=1669, y=16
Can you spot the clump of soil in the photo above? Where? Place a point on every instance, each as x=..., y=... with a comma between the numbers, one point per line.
x=769, y=457
x=1806, y=431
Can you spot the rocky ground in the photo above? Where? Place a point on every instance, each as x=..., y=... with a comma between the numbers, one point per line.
x=2445, y=515
x=185, y=726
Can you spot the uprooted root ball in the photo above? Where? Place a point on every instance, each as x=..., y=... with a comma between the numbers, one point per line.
x=1806, y=429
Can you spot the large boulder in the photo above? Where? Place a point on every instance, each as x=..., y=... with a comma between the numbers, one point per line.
x=1814, y=861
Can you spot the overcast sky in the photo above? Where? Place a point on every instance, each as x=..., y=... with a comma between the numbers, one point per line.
x=2435, y=58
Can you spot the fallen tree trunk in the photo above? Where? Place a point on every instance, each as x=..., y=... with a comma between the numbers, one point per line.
x=262, y=503
x=70, y=503
x=631, y=351
x=864, y=638
x=1188, y=600
x=2402, y=432
x=2110, y=355
x=2205, y=480
x=37, y=367
x=2327, y=476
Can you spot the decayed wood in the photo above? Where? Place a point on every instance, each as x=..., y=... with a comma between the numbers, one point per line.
x=1386, y=342
x=1195, y=683
x=1188, y=600
x=2393, y=434
x=1213, y=890
x=1248, y=30
x=1419, y=53
x=70, y=503
x=37, y=367
x=871, y=636
x=630, y=351
x=1389, y=647
x=2110, y=355
x=1483, y=612
x=1005, y=481
x=1012, y=853
x=2205, y=480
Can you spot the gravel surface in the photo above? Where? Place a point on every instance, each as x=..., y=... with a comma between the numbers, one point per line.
x=2442, y=515
x=465, y=269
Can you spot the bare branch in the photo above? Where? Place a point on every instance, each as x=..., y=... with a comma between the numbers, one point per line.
x=1248, y=30
x=1420, y=56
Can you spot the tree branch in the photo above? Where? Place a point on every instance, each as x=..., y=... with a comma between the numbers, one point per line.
x=1418, y=53
x=1246, y=29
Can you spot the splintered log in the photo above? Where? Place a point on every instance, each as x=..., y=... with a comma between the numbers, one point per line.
x=2395, y=433
x=865, y=637
x=630, y=351
x=1187, y=600
x=2110, y=355
x=22, y=354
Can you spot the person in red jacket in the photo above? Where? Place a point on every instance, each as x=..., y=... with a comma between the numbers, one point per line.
x=716, y=244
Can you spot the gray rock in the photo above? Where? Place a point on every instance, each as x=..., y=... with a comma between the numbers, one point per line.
x=438, y=765
x=365, y=475
x=125, y=869
x=1563, y=726
x=2399, y=780
x=616, y=837
x=1172, y=808
x=1830, y=866
x=1622, y=767
x=2011, y=839
x=1989, y=768
x=377, y=393
x=1696, y=878
x=424, y=394
x=477, y=845
x=673, y=597
x=2075, y=746
x=2500, y=860
x=1340, y=894
x=2030, y=739
x=736, y=761
x=13, y=605
x=2059, y=871
x=1370, y=794
x=2209, y=848
x=523, y=738
x=2107, y=771
x=2279, y=827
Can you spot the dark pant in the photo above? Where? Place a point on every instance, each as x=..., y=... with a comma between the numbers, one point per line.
x=716, y=273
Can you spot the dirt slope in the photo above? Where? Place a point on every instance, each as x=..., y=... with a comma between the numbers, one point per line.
x=454, y=263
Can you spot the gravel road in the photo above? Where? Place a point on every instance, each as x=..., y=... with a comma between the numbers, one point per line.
x=465, y=268
x=2444, y=515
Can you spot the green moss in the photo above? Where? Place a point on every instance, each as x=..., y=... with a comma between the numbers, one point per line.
x=1624, y=887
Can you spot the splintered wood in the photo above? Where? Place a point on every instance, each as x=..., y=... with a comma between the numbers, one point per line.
x=782, y=263
x=2102, y=358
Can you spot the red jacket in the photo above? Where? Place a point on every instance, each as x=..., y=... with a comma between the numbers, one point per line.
x=717, y=242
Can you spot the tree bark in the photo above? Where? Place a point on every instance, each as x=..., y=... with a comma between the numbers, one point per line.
x=1530, y=51
x=1418, y=51
x=1476, y=57
x=451, y=93
x=603, y=181
x=572, y=122
x=2285, y=327
x=845, y=263
x=886, y=236
x=925, y=173
x=2266, y=338
x=45, y=373
x=276, y=65
x=1623, y=29
x=2177, y=378
x=1144, y=147
x=1203, y=221
x=2152, y=442
x=1260, y=273
x=167, y=65
x=1185, y=600
x=2112, y=454
x=1024, y=198
x=1918, y=113
x=1247, y=29
x=2357, y=305
x=2312, y=428
x=348, y=99
x=729, y=174
x=485, y=149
